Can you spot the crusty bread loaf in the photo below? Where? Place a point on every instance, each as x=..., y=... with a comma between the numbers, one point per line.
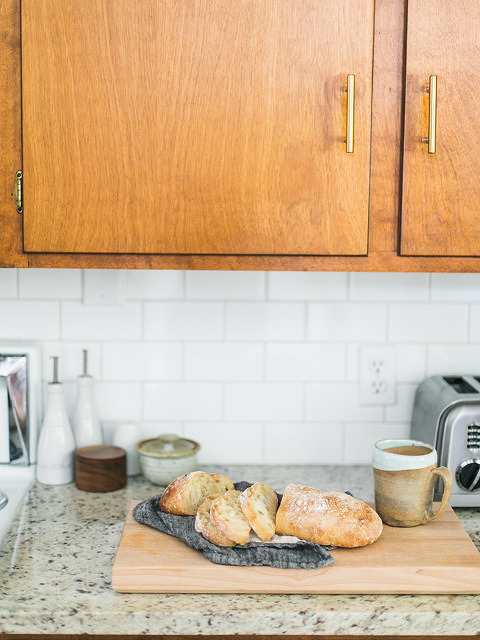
x=205, y=526
x=327, y=518
x=185, y=494
x=228, y=516
x=259, y=503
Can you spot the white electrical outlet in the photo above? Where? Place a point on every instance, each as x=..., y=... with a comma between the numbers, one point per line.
x=377, y=375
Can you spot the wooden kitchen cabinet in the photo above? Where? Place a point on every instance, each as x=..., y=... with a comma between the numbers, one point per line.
x=217, y=142
x=440, y=196
x=195, y=126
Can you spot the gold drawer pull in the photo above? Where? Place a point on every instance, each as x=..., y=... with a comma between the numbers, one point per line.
x=432, y=115
x=350, y=112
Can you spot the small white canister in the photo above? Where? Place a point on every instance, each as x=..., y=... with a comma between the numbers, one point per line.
x=125, y=436
x=167, y=457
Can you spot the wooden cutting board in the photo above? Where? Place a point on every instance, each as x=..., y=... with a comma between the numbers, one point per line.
x=435, y=558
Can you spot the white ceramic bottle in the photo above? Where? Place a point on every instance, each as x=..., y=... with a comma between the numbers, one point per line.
x=86, y=425
x=56, y=445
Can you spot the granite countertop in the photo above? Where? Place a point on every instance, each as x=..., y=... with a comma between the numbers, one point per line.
x=56, y=566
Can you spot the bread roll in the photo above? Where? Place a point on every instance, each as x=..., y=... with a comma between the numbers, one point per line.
x=327, y=518
x=205, y=526
x=185, y=494
x=259, y=503
x=228, y=516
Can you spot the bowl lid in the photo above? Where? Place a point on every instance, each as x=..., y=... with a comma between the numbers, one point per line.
x=168, y=445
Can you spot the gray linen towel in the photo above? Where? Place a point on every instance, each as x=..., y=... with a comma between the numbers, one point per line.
x=298, y=555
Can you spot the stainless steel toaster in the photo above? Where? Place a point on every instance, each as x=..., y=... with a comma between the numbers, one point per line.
x=446, y=414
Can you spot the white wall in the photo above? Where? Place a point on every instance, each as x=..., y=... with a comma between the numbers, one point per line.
x=258, y=367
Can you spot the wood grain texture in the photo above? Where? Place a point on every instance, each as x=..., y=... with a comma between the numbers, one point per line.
x=11, y=250
x=441, y=207
x=387, y=100
x=387, y=261
x=100, y=468
x=196, y=126
x=384, y=200
x=435, y=558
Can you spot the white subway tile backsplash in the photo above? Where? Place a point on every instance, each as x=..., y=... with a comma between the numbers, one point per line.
x=338, y=403
x=225, y=285
x=401, y=411
x=428, y=323
x=142, y=361
x=410, y=362
x=455, y=287
x=389, y=286
x=51, y=284
x=158, y=428
x=155, y=285
x=308, y=362
x=360, y=439
x=183, y=401
x=262, y=402
x=475, y=323
x=8, y=283
x=223, y=361
x=453, y=360
x=101, y=322
x=29, y=320
x=265, y=321
x=346, y=322
x=304, y=285
x=353, y=362
x=119, y=401
x=227, y=442
x=300, y=443
x=183, y=320
x=258, y=367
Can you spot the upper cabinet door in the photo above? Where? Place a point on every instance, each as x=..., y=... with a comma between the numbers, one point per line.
x=441, y=181
x=196, y=126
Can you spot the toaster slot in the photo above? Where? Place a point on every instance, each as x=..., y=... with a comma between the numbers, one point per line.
x=460, y=385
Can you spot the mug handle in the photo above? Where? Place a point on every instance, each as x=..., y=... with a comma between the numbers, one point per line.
x=446, y=476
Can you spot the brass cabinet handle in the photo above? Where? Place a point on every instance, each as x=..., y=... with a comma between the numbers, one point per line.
x=350, y=112
x=432, y=115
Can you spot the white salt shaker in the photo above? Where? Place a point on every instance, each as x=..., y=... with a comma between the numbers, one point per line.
x=126, y=436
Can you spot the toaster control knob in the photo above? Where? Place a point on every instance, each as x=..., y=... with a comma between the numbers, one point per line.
x=468, y=474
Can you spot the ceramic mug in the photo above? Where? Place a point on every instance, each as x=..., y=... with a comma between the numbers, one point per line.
x=405, y=472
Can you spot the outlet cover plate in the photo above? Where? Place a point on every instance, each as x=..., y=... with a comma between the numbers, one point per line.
x=377, y=375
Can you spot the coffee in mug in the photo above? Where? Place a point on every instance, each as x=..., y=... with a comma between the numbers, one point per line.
x=405, y=472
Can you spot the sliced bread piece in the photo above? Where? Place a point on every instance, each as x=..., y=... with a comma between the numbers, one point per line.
x=222, y=483
x=205, y=526
x=260, y=503
x=226, y=513
x=186, y=493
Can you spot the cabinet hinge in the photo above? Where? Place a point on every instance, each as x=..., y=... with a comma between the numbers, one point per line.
x=19, y=191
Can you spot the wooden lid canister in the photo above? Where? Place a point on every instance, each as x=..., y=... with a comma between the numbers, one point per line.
x=100, y=468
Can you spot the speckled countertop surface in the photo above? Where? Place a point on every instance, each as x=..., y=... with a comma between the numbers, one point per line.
x=55, y=568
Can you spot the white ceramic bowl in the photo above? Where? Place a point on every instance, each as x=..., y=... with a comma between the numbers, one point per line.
x=167, y=457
